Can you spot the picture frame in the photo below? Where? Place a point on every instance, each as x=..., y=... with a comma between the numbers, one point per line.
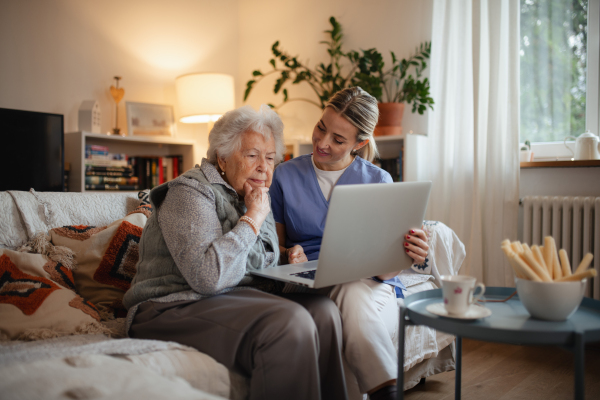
x=146, y=119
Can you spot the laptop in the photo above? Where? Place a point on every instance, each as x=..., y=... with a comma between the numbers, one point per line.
x=364, y=234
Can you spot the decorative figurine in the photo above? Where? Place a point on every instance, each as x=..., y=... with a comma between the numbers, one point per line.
x=89, y=116
x=117, y=95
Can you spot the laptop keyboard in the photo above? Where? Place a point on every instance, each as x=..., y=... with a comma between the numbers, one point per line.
x=306, y=274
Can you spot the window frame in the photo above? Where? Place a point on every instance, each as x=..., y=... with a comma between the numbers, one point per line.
x=553, y=151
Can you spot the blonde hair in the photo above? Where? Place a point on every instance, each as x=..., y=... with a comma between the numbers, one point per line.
x=360, y=109
x=226, y=136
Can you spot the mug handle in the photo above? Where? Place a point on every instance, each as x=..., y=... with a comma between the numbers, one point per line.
x=476, y=298
x=568, y=148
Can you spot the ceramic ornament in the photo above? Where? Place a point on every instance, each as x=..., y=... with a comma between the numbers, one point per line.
x=89, y=116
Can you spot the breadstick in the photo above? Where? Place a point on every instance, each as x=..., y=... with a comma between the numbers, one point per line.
x=549, y=247
x=517, y=247
x=537, y=254
x=505, y=242
x=508, y=253
x=566, y=266
x=556, y=263
x=530, y=260
x=525, y=269
x=585, y=263
x=589, y=273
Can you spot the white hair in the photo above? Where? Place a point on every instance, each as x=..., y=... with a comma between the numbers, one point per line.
x=226, y=136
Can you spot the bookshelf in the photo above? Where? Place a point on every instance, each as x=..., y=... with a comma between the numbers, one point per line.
x=75, y=143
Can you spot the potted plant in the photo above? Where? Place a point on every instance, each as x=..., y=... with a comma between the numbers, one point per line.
x=526, y=155
x=392, y=87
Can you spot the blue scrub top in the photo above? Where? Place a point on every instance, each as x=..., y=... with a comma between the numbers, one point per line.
x=298, y=202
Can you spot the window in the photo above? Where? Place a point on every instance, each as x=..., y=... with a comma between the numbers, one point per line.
x=553, y=68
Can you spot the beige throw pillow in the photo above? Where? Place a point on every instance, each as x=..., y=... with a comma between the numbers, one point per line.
x=105, y=259
x=38, y=301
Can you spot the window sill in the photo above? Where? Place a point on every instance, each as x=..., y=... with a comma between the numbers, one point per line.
x=561, y=164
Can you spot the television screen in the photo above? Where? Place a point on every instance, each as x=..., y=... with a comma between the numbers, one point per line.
x=33, y=151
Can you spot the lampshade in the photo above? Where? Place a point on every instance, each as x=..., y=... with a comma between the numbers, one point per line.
x=204, y=97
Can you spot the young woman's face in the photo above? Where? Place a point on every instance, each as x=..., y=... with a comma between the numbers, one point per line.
x=254, y=163
x=333, y=140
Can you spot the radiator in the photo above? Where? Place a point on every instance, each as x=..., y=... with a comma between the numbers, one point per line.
x=574, y=222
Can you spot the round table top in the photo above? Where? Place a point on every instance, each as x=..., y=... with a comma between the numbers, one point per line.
x=509, y=322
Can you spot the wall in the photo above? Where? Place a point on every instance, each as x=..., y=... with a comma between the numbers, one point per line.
x=397, y=25
x=54, y=54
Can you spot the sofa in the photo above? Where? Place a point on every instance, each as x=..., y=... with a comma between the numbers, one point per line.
x=66, y=259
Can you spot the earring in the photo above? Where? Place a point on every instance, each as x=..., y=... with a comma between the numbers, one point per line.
x=223, y=173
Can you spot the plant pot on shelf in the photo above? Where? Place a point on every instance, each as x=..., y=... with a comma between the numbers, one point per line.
x=390, y=119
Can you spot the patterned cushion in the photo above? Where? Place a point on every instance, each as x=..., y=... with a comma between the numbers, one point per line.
x=37, y=299
x=145, y=207
x=144, y=196
x=106, y=258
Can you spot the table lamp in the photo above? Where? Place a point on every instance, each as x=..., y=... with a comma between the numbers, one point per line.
x=204, y=97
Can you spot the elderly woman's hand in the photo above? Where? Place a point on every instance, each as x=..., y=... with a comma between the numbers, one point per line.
x=416, y=245
x=296, y=255
x=257, y=203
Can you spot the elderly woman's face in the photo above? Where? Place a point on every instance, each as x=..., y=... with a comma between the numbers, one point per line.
x=254, y=162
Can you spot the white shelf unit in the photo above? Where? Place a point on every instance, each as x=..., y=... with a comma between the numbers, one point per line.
x=389, y=147
x=75, y=143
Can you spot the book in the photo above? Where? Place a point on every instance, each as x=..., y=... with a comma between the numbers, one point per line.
x=105, y=162
x=175, y=166
x=112, y=187
x=113, y=180
x=154, y=172
x=169, y=168
x=99, y=168
x=109, y=173
x=89, y=153
x=180, y=165
x=96, y=147
x=161, y=172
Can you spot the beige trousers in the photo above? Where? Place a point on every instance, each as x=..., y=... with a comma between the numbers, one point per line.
x=367, y=335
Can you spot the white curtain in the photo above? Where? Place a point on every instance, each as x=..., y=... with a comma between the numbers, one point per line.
x=474, y=129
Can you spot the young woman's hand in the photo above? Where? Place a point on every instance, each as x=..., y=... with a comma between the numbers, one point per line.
x=296, y=254
x=416, y=246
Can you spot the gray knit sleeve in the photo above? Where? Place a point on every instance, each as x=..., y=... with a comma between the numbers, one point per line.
x=208, y=260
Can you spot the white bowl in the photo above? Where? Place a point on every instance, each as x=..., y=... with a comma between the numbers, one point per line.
x=551, y=301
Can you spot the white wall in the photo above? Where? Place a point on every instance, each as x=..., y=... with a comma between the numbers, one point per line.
x=397, y=25
x=54, y=54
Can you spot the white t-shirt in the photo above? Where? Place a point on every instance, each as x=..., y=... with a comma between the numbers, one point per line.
x=327, y=179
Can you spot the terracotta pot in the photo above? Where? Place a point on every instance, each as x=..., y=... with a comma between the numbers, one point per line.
x=390, y=119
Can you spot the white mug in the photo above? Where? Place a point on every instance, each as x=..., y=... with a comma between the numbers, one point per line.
x=459, y=293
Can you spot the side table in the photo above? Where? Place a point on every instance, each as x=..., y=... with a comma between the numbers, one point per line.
x=509, y=323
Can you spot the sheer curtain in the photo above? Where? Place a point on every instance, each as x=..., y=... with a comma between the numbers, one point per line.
x=474, y=129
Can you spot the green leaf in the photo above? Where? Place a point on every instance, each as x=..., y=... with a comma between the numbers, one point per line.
x=285, y=95
x=256, y=73
x=275, y=50
x=270, y=105
x=272, y=61
x=248, y=89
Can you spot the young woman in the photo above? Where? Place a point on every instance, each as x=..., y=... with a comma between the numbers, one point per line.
x=343, y=147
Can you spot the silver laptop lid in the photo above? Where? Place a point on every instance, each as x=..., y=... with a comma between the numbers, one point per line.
x=366, y=227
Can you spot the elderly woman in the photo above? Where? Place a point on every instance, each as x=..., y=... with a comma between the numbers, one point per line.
x=209, y=228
